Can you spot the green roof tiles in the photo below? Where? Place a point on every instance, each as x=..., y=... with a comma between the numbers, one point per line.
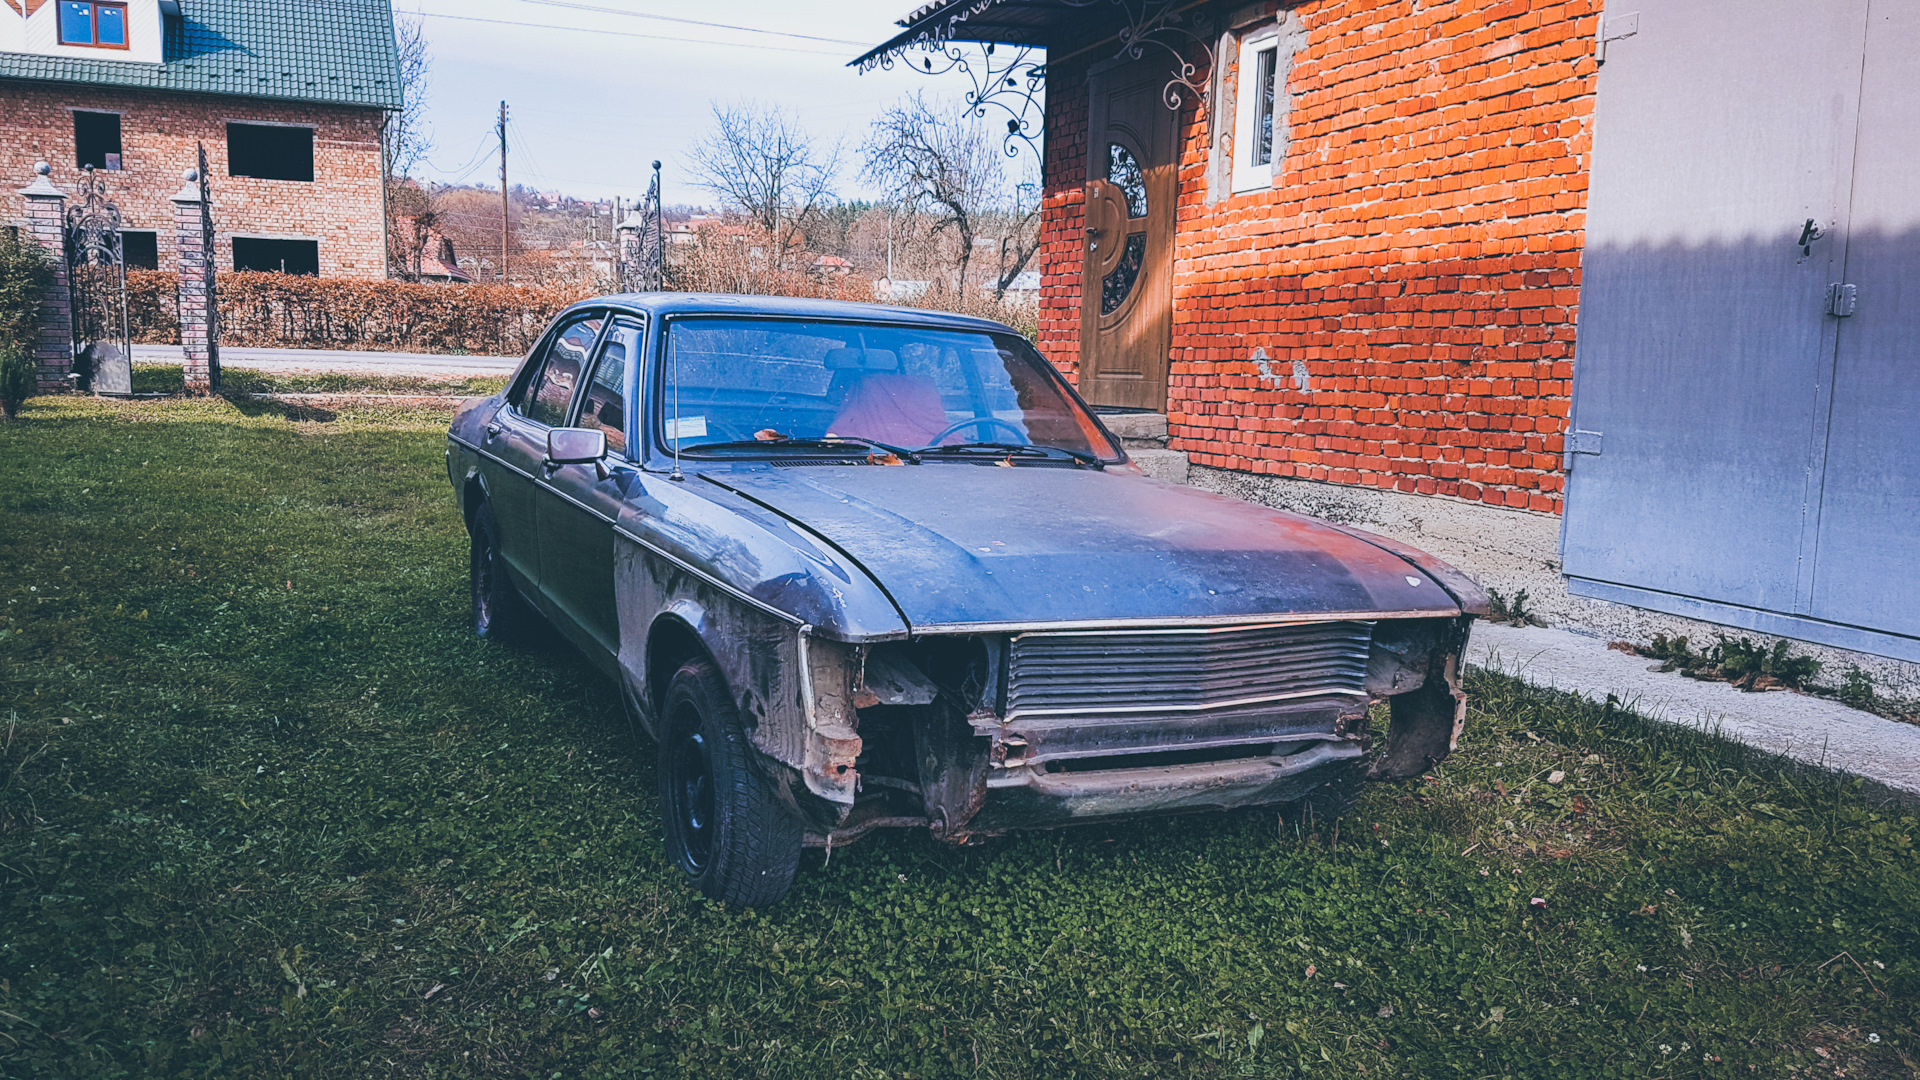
x=339, y=52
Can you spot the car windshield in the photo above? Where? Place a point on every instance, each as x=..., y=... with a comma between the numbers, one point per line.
x=732, y=385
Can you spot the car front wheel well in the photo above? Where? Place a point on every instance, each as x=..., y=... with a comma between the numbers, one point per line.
x=670, y=645
x=472, y=495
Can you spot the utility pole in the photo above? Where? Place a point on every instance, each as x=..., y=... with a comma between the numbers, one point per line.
x=501, y=128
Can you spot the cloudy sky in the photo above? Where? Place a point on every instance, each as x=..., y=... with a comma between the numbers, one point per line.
x=596, y=89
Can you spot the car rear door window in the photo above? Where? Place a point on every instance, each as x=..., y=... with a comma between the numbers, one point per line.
x=605, y=403
x=549, y=393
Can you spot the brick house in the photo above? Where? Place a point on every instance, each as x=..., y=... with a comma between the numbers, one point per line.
x=290, y=98
x=1572, y=292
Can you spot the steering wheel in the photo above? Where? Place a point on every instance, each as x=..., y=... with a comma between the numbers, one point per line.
x=1019, y=437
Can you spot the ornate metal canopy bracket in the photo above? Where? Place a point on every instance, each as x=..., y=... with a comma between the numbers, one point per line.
x=1162, y=24
x=1015, y=85
x=1009, y=86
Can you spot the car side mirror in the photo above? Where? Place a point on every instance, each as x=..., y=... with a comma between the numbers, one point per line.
x=575, y=446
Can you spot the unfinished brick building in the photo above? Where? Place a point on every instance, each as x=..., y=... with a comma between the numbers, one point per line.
x=1564, y=294
x=289, y=98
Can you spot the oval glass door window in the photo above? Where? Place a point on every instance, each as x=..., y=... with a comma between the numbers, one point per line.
x=1117, y=285
x=1123, y=171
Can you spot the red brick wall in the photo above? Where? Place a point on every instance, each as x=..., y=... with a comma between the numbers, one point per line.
x=1419, y=254
x=1062, y=218
x=340, y=208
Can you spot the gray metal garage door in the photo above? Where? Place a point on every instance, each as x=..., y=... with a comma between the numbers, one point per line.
x=1747, y=375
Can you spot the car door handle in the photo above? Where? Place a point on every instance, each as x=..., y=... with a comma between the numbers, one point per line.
x=493, y=429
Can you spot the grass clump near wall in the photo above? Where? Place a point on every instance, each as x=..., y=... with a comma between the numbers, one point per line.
x=268, y=808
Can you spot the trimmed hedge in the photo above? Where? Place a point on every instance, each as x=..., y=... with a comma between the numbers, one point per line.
x=297, y=312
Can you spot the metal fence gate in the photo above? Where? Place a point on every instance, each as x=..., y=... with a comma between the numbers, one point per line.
x=97, y=284
x=1747, y=374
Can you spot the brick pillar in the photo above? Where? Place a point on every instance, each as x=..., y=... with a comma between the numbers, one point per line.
x=46, y=223
x=199, y=338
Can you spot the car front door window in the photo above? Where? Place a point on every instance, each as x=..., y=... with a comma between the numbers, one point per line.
x=552, y=390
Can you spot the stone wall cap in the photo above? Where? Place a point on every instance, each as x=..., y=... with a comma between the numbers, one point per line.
x=42, y=186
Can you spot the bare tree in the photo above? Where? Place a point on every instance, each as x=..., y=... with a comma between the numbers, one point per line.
x=403, y=143
x=407, y=140
x=764, y=165
x=947, y=165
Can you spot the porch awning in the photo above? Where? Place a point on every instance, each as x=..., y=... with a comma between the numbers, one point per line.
x=1000, y=22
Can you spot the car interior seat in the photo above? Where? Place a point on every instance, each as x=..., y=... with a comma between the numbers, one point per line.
x=878, y=401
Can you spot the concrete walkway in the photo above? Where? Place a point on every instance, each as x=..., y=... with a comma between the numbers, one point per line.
x=1807, y=729
x=327, y=361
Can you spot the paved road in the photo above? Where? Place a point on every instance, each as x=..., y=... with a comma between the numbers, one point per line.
x=1809, y=729
x=287, y=361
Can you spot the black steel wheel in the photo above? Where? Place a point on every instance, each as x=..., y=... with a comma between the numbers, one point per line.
x=726, y=828
x=499, y=612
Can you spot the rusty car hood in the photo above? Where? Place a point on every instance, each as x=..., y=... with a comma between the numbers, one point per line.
x=962, y=545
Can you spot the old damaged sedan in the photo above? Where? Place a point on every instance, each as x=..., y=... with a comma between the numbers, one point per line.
x=857, y=566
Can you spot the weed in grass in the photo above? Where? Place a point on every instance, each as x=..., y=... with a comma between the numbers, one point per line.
x=267, y=808
x=1510, y=609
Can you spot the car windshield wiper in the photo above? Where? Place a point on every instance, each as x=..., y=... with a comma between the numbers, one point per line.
x=848, y=443
x=1001, y=449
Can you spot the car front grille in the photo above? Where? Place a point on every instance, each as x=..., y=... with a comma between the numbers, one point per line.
x=1192, y=672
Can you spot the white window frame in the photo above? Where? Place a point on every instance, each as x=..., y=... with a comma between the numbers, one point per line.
x=1249, y=175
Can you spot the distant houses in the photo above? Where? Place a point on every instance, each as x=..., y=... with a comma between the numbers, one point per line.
x=289, y=99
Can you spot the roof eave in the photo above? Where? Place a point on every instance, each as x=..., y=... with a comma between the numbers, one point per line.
x=936, y=24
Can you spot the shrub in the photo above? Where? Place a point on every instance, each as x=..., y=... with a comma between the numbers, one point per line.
x=293, y=311
x=24, y=276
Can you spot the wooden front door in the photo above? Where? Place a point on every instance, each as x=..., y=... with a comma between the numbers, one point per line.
x=1126, y=296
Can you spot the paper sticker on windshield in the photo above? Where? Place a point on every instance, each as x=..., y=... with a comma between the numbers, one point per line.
x=687, y=427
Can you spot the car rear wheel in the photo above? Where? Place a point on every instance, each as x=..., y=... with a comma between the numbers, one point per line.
x=499, y=612
x=726, y=828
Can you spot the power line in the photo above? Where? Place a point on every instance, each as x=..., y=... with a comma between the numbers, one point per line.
x=691, y=22
x=626, y=33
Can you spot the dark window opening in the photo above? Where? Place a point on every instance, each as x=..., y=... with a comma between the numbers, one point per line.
x=140, y=250
x=277, y=256
x=270, y=152
x=96, y=139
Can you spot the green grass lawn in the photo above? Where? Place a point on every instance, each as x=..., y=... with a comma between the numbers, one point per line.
x=268, y=809
x=167, y=379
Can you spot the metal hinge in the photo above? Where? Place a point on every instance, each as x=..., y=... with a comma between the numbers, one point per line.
x=1584, y=442
x=1620, y=26
x=1841, y=299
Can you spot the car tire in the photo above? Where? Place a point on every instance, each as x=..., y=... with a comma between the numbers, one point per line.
x=726, y=827
x=1333, y=799
x=499, y=611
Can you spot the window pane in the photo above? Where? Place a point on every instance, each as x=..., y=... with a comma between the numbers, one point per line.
x=565, y=358
x=76, y=23
x=1263, y=124
x=112, y=24
x=747, y=381
x=606, y=404
x=1124, y=172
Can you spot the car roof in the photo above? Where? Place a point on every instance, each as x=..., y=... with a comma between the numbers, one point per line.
x=677, y=303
